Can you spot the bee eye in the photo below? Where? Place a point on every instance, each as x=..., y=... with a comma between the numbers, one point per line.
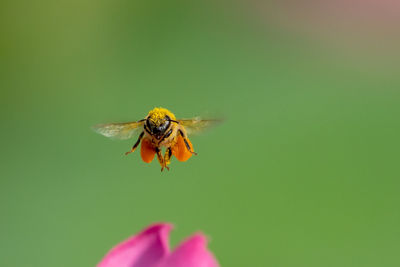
x=163, y=127
x=166, y=123
x=150, y=125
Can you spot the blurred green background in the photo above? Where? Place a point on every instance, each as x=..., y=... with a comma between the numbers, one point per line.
x=304, y=171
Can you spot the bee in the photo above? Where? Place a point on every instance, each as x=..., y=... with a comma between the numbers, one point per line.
x=158, y=129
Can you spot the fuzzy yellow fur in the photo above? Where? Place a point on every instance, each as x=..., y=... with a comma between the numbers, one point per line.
x=157, y=115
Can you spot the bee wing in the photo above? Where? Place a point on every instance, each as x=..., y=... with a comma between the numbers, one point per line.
x=198, y=125
x=124, y=130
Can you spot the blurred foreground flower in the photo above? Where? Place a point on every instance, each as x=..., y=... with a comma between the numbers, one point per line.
x=150, y=248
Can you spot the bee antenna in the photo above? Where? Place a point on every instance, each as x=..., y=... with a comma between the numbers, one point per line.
x=174, y=121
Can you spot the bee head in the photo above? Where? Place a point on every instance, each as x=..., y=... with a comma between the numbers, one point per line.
x=158, y=122
x=158, y=127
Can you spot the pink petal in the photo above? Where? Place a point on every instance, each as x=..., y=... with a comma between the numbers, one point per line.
x=143, y=250
x=192, y=253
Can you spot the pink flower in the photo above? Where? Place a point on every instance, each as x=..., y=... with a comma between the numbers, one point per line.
x=150, y=248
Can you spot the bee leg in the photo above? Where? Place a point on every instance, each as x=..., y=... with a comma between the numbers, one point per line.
x=161, y=159
x=167, y=157
x=136, y=144
x=186, y=143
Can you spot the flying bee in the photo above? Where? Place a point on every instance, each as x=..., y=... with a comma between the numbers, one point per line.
x=158, y=129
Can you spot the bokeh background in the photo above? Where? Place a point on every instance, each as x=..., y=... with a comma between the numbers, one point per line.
x=303, y=172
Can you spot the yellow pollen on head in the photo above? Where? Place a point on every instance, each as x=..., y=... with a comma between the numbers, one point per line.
x=157, y=115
